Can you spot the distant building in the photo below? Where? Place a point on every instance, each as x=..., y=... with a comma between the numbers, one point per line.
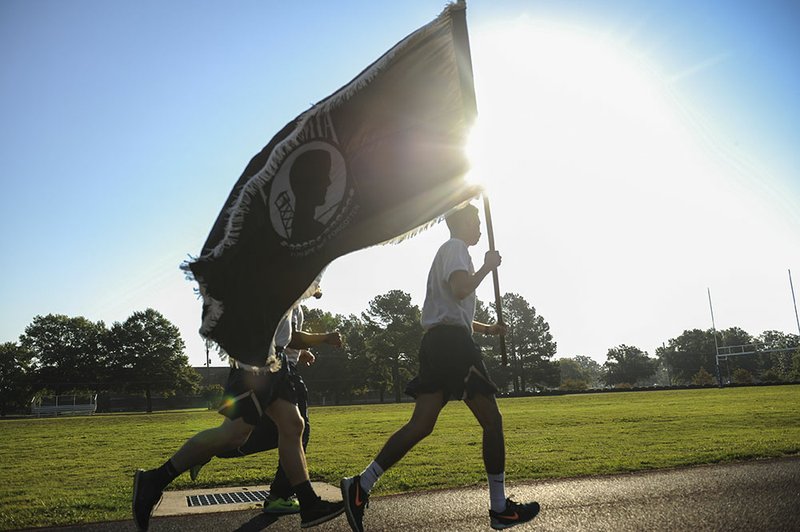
x=213, y=374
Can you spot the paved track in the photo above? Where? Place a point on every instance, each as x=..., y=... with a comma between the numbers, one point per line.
x=746, y=496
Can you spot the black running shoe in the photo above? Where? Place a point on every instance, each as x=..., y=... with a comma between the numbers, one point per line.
x=355, y=500
x=514, y=514
x=145, y=497
x=319, y=512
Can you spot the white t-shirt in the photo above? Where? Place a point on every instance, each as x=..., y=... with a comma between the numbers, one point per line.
x=283, y=334
x=293, y=355
x=441, y=307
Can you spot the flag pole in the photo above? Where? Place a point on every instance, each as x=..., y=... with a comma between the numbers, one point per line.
x=498, y=302
x=461, y=37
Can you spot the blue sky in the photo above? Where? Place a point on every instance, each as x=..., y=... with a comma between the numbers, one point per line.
x=636, y=154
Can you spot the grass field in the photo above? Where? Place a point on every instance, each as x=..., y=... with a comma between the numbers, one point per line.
x=79, y=469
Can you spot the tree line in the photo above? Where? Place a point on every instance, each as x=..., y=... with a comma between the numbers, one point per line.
x=145, y=355
x=380, y=350
x=58, y=354
x=691, y=359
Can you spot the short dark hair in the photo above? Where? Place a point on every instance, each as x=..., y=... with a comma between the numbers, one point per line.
x=458, y=216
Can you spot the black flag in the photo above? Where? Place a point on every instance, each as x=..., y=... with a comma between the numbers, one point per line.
x=373, y=162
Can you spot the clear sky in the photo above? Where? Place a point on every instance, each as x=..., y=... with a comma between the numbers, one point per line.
x=636, y=154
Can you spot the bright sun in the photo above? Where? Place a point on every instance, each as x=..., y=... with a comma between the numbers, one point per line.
x=582, y=135
x=598, y=177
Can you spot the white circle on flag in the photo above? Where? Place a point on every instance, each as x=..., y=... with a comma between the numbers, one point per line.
x=282, y=200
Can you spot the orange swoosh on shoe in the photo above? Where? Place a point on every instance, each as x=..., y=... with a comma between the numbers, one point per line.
x=358, y=494
x=512, y=517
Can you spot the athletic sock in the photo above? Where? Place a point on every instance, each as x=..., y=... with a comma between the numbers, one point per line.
x=497, y=491
x=165, y=474
x=370, y=476
x=306, y=495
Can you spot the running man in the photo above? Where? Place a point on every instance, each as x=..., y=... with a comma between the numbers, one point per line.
x=450, y=367
x=253, y=392
x=281, y=499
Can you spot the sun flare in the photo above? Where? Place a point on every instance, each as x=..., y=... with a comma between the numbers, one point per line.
x=582, y=133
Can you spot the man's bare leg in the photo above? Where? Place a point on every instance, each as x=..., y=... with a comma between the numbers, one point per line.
x=287, y=418
x=148, y=485
x=204, y=445
x=290, y=439
x=421, y=424
x=355, y=490
x=485, y=410
x=503, y=512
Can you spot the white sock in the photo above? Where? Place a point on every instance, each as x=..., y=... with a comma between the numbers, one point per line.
x=497, y=491
x=370, y=476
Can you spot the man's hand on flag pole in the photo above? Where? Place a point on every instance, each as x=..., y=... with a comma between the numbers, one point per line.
x=492, y=259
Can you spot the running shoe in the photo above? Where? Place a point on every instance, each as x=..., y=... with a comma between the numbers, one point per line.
x=320, y=512
x=281, y=505
x=514, y=514
x=145, y=498
x=355, y=501
x=194, y=471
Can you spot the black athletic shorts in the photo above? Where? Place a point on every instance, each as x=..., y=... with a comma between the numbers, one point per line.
x=451, y=361
x=248, y=394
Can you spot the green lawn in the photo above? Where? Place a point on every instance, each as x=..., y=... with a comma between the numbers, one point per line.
x=79, y=469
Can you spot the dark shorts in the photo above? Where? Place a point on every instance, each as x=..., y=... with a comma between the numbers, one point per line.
x=265, y=435
x=247, y=394
x=450, y=361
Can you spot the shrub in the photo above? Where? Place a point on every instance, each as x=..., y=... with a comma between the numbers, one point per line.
x=742, y=376
x=573, y=384
x=770, y=375
x=212, y=394
x=703, y=378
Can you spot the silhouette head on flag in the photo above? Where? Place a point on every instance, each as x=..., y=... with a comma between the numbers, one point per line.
x=309, y=178
x=376, y=161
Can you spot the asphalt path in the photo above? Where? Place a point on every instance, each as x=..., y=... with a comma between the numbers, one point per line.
x=748, y=496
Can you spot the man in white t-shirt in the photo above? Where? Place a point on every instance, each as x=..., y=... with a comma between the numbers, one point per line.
x=450, y=367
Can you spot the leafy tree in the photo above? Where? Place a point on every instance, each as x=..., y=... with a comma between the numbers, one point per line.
x=580, y=368
x=15, y=364
x=735, y=336
x=662, y=376
x=330, y=376
x=530, y=345
x=490, y=346
x=69, y=353
x=147, y=355
x=394, y=335
x=685, y=355
x=777, y=366
x=570, y=370
x=628, y=364
x=794, y=374
x=357, y=361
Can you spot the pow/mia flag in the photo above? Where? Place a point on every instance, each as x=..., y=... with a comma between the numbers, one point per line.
x=373, y=162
